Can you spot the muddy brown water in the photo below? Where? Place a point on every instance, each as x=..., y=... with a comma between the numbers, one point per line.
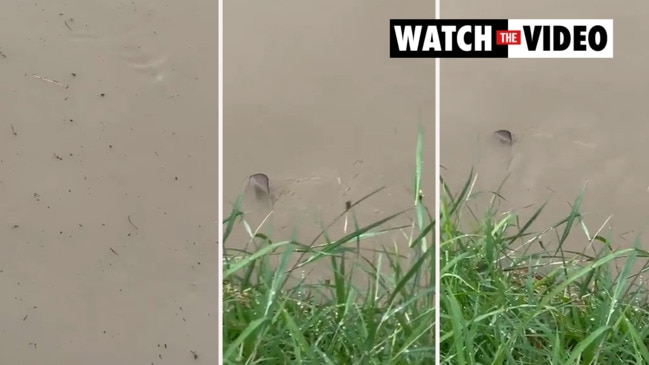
x=313, y=101
x=575, y=122
x=325, y=108
x=108, y=182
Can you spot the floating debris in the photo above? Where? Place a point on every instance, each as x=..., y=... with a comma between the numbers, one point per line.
x=51, y=81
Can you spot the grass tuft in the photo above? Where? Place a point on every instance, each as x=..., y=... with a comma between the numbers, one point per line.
x=505, y=297
x=559, y=307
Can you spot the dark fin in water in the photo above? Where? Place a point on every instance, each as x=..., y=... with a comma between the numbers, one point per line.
x=261, y=185
x=504, y=136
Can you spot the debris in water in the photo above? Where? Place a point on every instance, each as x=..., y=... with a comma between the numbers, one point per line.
x=51, y=81
x=131, y=222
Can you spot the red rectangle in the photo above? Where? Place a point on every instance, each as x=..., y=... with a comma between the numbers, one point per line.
x=507, y=37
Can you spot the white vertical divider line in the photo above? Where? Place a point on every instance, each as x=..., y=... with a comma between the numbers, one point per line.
x=438, y=188
x=220, y=246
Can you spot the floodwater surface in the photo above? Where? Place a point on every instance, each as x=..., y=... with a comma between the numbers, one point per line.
x=313, y=101
x=108, y=182
x=576, y=123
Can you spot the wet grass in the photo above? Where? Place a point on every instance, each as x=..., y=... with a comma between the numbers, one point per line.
x=501, y=303
x=389, y=319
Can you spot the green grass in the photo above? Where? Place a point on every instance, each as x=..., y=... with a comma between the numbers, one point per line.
x=556, y=307
x=500, y=303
